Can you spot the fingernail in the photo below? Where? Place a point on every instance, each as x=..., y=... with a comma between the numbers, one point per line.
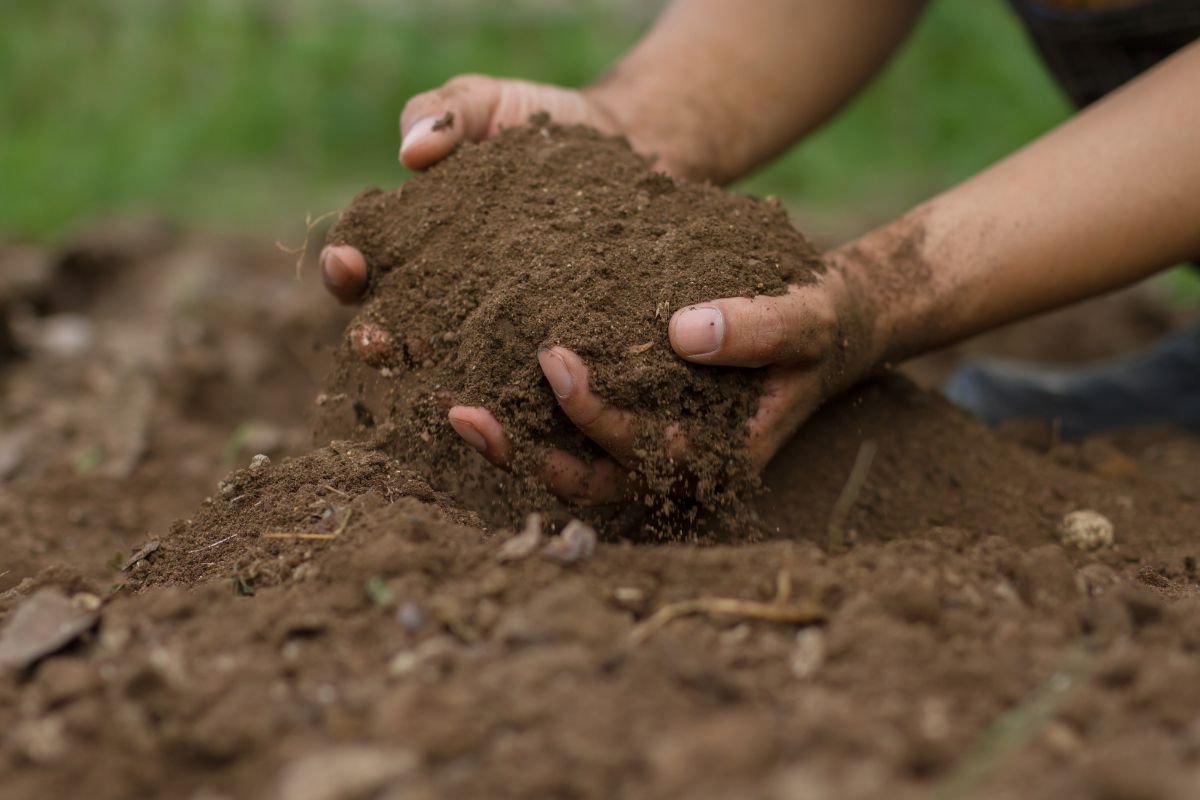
x=419, y=130
x=469, y=433
x=556, y=372
x=334, y=270
x=699, y=331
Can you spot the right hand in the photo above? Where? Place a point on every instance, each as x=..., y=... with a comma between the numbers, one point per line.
x=469, y=108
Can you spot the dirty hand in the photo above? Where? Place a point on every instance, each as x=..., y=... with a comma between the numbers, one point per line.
x=468, y=108
x=800, y=338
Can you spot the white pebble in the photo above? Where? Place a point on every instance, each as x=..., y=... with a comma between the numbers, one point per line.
x=1086, y=530
x=259, y=463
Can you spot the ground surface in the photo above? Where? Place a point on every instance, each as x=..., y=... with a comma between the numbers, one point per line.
x=948, y=647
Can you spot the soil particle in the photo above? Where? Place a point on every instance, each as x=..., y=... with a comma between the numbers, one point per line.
x=548, y=235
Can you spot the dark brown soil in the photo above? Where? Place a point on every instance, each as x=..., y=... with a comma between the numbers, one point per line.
x=963, y=652
x=549, y=235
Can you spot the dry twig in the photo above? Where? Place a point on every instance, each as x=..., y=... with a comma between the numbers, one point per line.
x=790, y=613
x=321, y=537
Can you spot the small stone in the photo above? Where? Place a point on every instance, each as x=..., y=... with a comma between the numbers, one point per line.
x=630, y=598
x=372, y=344
x=1086, y=530
x=41, y=626
x=577, y=542
x=525, y=543
x=259, y=463
x=411, y=617
x=809, y=653
x=87, y=601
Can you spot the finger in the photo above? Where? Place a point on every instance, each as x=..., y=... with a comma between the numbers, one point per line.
x=432, y=123
x=568, y=477
x=614, y=429
x=482, y=431
x=344, y=272
x=755, y=331
x=598, y=483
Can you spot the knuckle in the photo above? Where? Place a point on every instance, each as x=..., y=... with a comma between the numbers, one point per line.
x=770, y=331
x=462, y=83
x=591, y=416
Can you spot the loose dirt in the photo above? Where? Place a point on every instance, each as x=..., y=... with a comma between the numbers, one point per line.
x=330, y=622
x=548, y=235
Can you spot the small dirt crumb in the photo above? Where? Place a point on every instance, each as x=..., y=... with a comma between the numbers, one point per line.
x=1086, y=530
x=259, y=463
x=525, y=543
x=446, y=122
x=577, y=542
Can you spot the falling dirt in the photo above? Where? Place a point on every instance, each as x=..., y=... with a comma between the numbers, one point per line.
x=247, y=613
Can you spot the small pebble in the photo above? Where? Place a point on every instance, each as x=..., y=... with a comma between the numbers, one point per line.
x=372, y=344
x=1086, y=530
x=808, y=654
x=525, y=543
x=411, y=617
x=259, y=463
x=577, y=542
x=629, y=597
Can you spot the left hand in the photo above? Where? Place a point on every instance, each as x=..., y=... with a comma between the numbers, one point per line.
x=802, y=338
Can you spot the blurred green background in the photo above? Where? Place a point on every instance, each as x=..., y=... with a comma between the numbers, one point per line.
x=250, y=113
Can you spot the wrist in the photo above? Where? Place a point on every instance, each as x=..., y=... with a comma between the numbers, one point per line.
x=900, y=307
x=672, y=133
x=856, y=349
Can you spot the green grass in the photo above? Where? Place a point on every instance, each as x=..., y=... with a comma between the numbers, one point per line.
x=248, y=114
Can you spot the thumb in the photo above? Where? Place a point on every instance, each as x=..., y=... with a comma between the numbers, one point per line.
x=756, y=331
x=434, y=122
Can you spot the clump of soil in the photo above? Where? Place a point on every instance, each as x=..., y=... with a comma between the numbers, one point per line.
x=550, y=235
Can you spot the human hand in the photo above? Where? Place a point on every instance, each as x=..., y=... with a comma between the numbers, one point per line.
x=468, y=108
x=803, y=339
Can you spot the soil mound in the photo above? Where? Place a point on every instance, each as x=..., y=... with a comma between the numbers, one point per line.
x=551, y=235
x=266, y=519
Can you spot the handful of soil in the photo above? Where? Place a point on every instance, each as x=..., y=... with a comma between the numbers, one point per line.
x=552, y=235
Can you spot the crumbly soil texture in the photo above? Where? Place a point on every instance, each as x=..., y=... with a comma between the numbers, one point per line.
x=197, y=601
x=549, y=235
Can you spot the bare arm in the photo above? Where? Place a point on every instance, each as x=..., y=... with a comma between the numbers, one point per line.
x=1101, y=202
x=719, y=88
x=714, y=89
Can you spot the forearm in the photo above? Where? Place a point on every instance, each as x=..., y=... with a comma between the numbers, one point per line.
x=1103, y=201
x=717, y=88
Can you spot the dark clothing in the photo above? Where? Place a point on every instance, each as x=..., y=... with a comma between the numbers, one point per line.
x=1093, y=51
